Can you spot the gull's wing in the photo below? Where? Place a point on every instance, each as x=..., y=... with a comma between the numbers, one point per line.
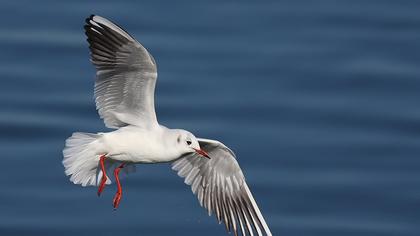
x=126, y=75
x=221, y=188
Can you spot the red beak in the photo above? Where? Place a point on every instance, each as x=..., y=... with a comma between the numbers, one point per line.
x=202, y=153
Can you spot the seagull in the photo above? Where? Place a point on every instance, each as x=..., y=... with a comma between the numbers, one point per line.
x=124, y=94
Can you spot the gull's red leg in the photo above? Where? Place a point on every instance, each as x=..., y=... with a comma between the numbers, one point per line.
x=118, y=194
x=104, y=178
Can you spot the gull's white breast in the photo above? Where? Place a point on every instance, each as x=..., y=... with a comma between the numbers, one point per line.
x=139, y=145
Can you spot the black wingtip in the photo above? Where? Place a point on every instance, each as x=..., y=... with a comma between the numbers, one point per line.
x=87, y=20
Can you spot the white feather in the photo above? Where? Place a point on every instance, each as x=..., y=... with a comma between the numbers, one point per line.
x=81, y=158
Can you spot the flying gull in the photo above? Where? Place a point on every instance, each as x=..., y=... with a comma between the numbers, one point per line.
x=124, y=95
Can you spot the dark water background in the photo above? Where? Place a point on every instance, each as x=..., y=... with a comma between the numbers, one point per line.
x=319, y=99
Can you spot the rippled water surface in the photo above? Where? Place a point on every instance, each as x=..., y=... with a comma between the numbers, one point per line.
x=319, y=99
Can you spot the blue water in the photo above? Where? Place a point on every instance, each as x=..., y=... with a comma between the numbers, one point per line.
x=319, y=99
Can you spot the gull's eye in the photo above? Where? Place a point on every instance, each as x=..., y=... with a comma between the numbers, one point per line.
x=188, y=142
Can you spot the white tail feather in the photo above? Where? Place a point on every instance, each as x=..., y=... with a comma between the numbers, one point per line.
x=81, y=159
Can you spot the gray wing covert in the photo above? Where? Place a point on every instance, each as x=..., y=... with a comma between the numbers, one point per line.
x=126, y=75
x=221, y=188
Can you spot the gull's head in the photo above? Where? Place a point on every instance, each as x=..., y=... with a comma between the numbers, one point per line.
x=188, y=143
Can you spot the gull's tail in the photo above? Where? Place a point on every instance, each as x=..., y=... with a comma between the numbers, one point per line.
x=81, y=158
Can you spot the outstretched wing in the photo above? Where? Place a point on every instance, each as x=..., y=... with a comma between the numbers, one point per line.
x=126, y=75
x=221, y=188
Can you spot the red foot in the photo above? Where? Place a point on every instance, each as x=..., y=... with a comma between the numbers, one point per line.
x=118, y=194
x=104, y=178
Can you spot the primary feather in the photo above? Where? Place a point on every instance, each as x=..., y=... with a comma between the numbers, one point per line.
x=221, y=188
x=125, y=78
